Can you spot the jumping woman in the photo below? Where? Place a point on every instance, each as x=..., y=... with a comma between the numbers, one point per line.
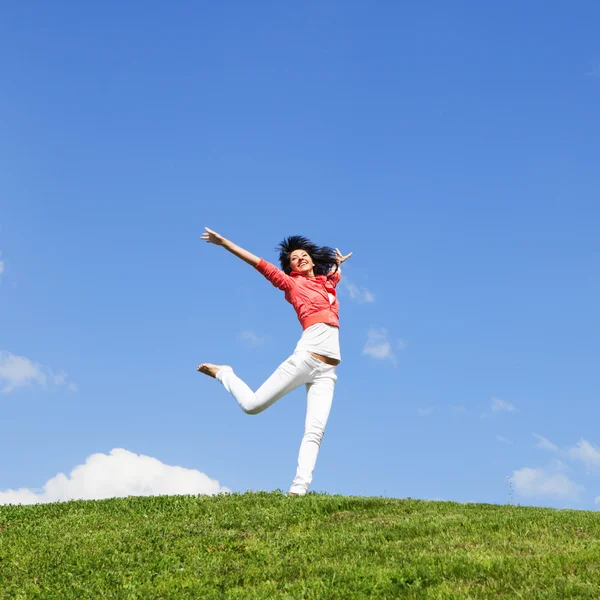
x=308, y=277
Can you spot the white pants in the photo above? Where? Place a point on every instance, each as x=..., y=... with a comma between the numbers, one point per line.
x=300, y=368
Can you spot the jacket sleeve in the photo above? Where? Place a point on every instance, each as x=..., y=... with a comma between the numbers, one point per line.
x=335, y=277
x=278, y=278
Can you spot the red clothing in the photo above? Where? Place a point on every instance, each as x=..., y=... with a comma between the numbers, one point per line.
x=308, y=295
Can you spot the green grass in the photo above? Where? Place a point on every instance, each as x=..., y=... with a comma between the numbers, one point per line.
x=268, y=545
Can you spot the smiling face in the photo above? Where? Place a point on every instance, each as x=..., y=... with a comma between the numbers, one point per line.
x=301, y=262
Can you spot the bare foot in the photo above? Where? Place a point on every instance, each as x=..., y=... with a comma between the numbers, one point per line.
x=209, y=369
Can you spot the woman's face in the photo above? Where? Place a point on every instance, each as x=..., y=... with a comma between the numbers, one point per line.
x=301, y=262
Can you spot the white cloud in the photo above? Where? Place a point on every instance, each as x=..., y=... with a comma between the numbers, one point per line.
x=1, y=264
x=499, y=405
x=378, y=345
x=251, y=338
x=502, y=439
x=425, y=412
x=19, y=371
x=117, y=474
x=459, y=408
x=60, y=378
x=586, y=453
x=358, y=294
x=597, y=500
x=530, y=483
x=553, y=481
x=545, y=444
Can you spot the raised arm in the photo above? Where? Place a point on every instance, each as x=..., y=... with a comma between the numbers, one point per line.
x=335, y=273
x=278, y=278
x=212, y=237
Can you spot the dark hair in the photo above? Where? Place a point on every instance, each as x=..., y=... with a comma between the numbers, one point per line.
x=322, y=256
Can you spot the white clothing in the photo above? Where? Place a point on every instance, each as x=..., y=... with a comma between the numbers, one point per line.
x=322, y=339
x=300, y=368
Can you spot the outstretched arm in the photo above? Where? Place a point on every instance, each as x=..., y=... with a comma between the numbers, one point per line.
x=212, y=237
x=278, y=278
x=335, y=273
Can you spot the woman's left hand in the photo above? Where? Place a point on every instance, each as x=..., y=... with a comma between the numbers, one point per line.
x=340, y=258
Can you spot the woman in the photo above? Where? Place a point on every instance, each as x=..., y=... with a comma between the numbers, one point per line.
x=309, y=277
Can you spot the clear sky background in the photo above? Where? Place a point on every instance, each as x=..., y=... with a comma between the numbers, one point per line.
x=454, y=147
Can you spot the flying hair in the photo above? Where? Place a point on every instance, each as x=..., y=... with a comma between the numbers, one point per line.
x=322, y=256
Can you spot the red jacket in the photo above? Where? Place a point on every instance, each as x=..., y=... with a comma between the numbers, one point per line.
x=308, y=295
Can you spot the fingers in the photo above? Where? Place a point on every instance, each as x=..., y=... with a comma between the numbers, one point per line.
x=209, y=236
x=340, y=257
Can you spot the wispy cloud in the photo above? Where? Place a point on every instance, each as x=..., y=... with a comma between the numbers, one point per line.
x=586, y=453
x=545, y=444
x=532, y=483
x=553, y=481
x=458, y=408
x=558, y=466
x=380, y=347
x=1, y=263
x=378, y=344
x=595, y=70
x=61, y=378
x=425, y=412
x=251, y=338
x=502, y=439
x=597, y=500
x=499, y=405
x=358, y=294
x=583, y=451
x=118, y=474
x=19, y=371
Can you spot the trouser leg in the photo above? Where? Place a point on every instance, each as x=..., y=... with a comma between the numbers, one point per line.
x=290, y=374
x=319, y=397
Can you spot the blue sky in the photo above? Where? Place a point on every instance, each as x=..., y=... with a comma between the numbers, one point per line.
x=452, y=147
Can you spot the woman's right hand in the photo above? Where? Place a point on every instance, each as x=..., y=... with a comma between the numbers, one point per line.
x=212, y=237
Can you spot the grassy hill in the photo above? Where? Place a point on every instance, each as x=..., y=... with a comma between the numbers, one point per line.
x=267, y=545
